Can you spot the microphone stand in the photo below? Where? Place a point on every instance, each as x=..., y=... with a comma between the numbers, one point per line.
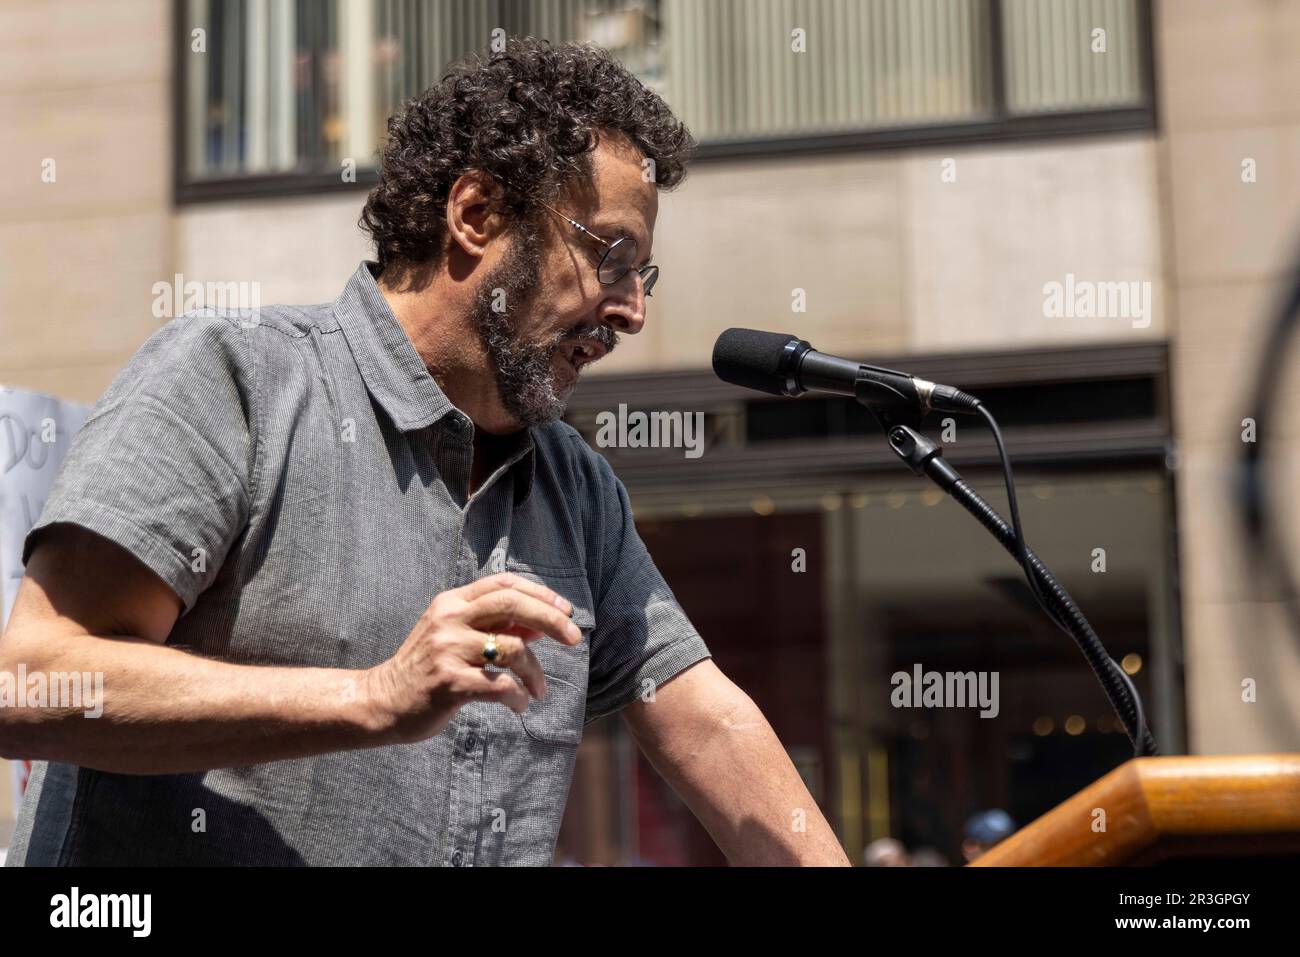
x=925, y=457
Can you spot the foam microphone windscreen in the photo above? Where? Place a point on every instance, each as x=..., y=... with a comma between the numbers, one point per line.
x=752, y=359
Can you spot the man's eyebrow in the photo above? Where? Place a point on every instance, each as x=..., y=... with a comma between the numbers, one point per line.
x=612, y=230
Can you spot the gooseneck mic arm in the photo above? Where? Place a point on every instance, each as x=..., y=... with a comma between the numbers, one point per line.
x=782, y=364
x=925, y=457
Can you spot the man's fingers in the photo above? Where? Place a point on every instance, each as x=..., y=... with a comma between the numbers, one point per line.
x=519, y=631
x=478, y=685
x=529, y=669
x=492, y=583
x=512, y=653
x=507, y=608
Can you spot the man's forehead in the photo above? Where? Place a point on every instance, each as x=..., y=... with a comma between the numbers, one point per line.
x=618, y=194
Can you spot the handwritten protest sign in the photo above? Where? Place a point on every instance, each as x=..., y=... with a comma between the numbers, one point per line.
x=35, y=433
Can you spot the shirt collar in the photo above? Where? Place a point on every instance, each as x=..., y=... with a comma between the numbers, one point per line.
x=525, y=466
x=396, y=376
x=393, y=371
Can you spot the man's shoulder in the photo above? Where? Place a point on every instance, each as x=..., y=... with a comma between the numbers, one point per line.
x=563, y=441
x=266, y=337
x=236, y=333
x=291, y=322
x=565, y=446
x=216, y=352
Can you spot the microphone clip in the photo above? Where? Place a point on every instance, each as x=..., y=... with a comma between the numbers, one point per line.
x=891, y=397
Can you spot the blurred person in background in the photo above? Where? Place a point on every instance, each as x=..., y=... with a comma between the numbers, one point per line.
x=885, y=852
x=984, y=830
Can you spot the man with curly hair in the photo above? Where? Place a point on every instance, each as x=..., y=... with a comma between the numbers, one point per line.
x=352, y=587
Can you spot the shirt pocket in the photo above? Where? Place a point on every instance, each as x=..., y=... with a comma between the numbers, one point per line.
x=559, y=717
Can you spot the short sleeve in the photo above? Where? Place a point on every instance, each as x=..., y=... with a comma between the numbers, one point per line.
x=642, y=637
x=164, y=465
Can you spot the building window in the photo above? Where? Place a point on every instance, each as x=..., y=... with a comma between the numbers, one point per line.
x=294, y=96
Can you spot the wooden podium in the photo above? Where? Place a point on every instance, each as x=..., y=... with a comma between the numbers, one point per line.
x=1160, y=809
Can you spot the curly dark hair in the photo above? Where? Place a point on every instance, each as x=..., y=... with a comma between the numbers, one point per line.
x=529, y=117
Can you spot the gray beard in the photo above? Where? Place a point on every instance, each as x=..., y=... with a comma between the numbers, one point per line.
x=526, y=381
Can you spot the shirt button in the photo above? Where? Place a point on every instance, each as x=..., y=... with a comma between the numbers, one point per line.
x=457, y=859
x=471, y=742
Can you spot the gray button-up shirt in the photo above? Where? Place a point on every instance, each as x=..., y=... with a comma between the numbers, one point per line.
x=301, y=482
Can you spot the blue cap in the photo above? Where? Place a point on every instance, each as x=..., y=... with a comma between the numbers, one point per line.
x=989, y=827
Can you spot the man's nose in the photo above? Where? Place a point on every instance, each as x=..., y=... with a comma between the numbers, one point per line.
x=624, y=308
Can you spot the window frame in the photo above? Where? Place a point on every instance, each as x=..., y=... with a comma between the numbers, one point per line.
x=1000, y=127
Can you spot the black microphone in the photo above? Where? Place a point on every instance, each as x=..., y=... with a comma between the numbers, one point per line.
x=781, y=364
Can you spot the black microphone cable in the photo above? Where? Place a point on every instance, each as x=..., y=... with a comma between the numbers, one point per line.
x=1069, y=618
x=775, y=363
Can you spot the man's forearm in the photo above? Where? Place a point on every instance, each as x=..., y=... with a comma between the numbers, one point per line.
x=166, y=710
x=731, y=770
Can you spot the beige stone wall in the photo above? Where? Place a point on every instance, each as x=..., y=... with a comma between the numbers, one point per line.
x=86, y=84
x=890, y=257
x=980, y=250
x=1229, y=90
x=299, y=250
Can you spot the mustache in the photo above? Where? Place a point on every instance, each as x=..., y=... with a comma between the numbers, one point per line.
x=598, y=333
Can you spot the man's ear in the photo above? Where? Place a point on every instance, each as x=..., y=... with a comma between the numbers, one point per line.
x=472, y=218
